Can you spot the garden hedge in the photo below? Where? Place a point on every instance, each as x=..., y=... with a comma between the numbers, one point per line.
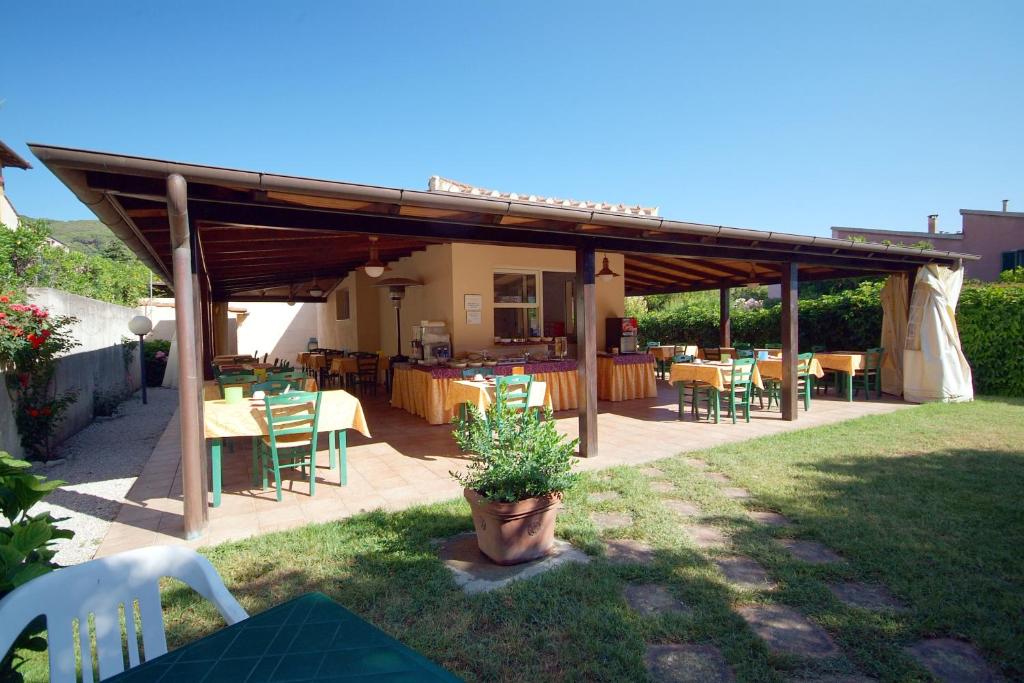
x=990, y=318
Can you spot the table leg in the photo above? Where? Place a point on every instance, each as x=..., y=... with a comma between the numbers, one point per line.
x=330, y=450
x=215, y=446
x=682, y=397
x=343, y=457
x=716, y=397
x=848, y=380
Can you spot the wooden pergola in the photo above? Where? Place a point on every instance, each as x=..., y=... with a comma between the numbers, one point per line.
x=220, y=235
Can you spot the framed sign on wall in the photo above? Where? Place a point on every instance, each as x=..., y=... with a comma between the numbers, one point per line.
x=474, y=302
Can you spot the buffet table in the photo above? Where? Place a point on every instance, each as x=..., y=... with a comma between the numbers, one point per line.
x=626, y=376
x=423, y=390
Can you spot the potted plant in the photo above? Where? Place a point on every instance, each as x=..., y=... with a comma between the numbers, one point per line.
x=519, y=469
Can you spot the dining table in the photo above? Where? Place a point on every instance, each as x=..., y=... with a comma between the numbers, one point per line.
x=481, y=395
x=308, y=638
x=715, y=374
x=845, y=364
x=339, y=411
x=771, y=368
x=626, y=376
x=664, y=354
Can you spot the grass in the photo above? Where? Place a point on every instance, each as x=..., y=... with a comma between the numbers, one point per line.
x=924, y=500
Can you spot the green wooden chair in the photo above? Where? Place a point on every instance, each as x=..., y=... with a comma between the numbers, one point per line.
x=273, y=387
x=292, y=423
x=804, y=379
x=744, y=353
x=244, y=381
x=296, y=377
x=513, y=391
x=713, y=353
x=738, y=392
x=870, y=377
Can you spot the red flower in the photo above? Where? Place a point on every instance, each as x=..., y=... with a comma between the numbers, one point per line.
x=5, y=299
x=32, y=412
x=45, y=410
x=23, y=380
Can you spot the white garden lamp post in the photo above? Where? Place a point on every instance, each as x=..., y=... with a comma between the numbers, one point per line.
x=141, y=325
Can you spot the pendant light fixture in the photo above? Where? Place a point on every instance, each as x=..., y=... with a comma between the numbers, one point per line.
x=315, y=290
x=374, y=267
x=606, y=273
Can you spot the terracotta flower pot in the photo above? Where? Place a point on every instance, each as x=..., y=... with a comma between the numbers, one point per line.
x=511, y=533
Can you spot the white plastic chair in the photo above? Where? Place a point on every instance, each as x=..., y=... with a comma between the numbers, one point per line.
x=103, y=588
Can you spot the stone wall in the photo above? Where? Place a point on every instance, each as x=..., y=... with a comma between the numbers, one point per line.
x=95, y=367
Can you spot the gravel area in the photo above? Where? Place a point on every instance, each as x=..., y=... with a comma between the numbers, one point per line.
x=101, y=463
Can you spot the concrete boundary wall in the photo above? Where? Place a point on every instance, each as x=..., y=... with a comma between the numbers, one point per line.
x=97, y=366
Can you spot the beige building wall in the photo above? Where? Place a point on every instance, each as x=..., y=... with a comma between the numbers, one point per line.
x=361, y=331
x=431, y=301
x=474, y=266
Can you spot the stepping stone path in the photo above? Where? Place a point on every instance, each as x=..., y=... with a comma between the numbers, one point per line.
x=704, y=536
x=718, y=477
x=651, y=472
x=611, y=520
x=743, y=572
x=736, y=493
x=687, y=663
x=865, y=596
x=629, y=551
x=696, y=463
x=602, y=496
x=951, y=660
x=810, y=552
x=683, y=508
x=651, y=600
x=786, y=631
x=663, y=486
x=769, y=518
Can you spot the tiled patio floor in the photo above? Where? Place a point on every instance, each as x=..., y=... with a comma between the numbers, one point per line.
x=407, y=462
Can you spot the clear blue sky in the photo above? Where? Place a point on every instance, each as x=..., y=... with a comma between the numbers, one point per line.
x=791, y=116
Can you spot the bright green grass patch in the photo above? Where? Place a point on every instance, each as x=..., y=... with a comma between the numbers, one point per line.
x=924, y=500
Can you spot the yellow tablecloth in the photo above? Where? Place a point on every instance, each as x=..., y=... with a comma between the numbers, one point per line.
x=714, y=374
x=841, y=362
x=343, y=365
x=727, y=352
x=338, y=410
x=772, y=368
x=625, y=381
x=481, y=395
x=666, y=352
x=418, y=392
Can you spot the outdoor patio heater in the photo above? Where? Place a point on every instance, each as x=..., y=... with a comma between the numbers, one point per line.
x=396, y=292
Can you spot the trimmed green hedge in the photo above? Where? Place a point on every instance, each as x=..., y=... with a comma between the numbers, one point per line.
x=991, y=323
x=990, y=318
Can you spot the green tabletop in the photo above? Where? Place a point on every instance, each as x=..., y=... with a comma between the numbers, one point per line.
x=310, y=638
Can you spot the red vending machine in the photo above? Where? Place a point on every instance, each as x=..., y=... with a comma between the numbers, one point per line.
x=620, y=333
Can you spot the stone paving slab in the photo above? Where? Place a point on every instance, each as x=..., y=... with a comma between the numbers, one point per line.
x=769, y=518
x=652, y=599
x=651, y=472
x=475, y=573
x=718, y=477
x=706, y=536
x=743, y=572
x=696, y=463
x=952, y=660
x=810, y=552
x=663, y=486
x=736, y=493
x=629, y=551
x=684, y=508
x=687, y=663
x=866, y=596
x=611, y=520
x=786, y=631
x=603, y=496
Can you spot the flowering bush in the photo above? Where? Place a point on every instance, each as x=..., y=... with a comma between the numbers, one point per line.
x=31, y=340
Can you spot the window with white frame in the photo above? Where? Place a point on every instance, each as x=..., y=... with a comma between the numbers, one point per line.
x=530, y=303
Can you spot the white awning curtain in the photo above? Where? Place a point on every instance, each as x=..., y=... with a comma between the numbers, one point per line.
x=934, y=366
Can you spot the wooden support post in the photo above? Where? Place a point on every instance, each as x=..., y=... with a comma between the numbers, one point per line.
x=790, y=346
x=586, y=349
x=724, y=326
x=193, y=445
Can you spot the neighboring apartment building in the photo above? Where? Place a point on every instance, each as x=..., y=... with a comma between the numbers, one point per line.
x=9, y=159
x=996, y=236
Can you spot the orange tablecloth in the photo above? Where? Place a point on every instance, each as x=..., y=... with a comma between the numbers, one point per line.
x=344, y=364
x=338, y=410
x=841, y=362
x=664, y=353
x=772, y=368
x=625, y=381
x=481, y=395
x=714, y=374
x=727, y=352
x=422, y=394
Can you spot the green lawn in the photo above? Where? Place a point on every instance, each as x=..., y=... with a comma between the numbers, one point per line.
x=925, y=500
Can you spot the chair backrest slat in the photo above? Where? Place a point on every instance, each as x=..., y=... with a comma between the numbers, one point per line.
x=873, y=359
x=742, y=372
x=513, y=390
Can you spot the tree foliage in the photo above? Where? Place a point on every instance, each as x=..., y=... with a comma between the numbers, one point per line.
x=27, y=259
